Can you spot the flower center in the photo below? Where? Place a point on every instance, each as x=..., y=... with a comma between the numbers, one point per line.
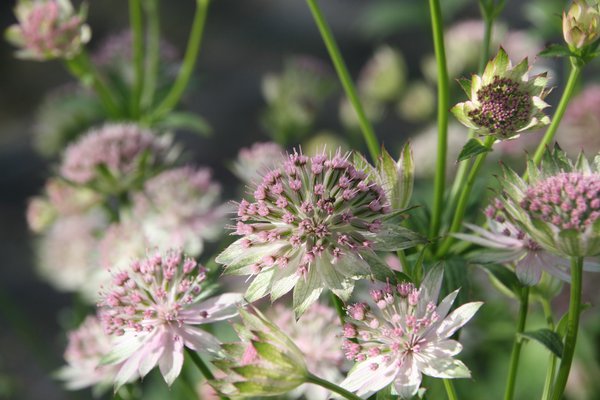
x=505, y=107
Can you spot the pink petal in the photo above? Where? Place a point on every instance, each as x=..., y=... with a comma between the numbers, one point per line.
x=214, y=309
x=171, y=362
x=199, y=340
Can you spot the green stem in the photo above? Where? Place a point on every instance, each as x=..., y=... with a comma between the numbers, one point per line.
x=439, y=184
x=153, y=53
x=572, y=328
x=463, y=199
x=200, y=364
x=331, y=386
x=517, y=344
x=487, y=39
x=450, y=391
x=82, y=68
x=560, y=111
x=552, y=360
x=189, y=61
x=135, y=20
x=344, y=76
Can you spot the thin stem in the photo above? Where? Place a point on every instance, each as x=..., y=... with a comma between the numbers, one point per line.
x=450, y=391
x=517, y=344
x=137, y=40
x=439, y=185
x=153, y=53
x=200, y=364
x=560, y=111
x=463, y=199
x=552, y=358
x=82, y=68
x=487, y=39
x=189, y=61
x=572, y=328
x=344, y=76
x=331, y=386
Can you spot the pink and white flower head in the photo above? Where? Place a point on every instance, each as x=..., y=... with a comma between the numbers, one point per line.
x=154, y=308
x=313, y=223
x=404, y=336
x=559, y=208
x=48, y=29
x=86, y=348
x=252, y=162
x=180, y=207
x=317, y=337
x=121, y=244
x=113, y=157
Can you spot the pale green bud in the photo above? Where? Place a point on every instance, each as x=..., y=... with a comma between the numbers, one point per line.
x=581, y=24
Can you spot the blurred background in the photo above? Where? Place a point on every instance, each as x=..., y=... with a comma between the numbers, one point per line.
x=255, y=53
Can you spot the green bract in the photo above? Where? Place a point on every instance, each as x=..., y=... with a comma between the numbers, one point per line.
x=503, y=101
x=581, y=24
x=560, y=205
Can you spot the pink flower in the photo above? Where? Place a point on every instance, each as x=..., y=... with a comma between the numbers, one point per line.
x=252, y=162
x=408, y=336
x=154, y=309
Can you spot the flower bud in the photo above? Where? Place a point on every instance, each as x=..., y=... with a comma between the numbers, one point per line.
x=581, y=24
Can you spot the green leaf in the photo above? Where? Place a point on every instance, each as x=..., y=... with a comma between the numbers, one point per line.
x=549, y=339
x=406, y=167
x=395, y=237
x=187, y=121
x=465, y=84
x=385, y=394
x=472, y=148
x=556, y=50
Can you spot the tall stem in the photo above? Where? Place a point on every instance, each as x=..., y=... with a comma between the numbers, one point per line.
x=572, y=328
x=552, y=360
x=560, y=111
x=439, y=184
x=189, y=61
x=331, y=386
x=344, y=76
x=517, y=344
x=488, y=25
x=463, y=199
x=137, y=40
x=153, y=53
x=450, y=391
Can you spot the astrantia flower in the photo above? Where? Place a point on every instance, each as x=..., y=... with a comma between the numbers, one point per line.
x=87, y=346
x=406, y=337
x=313, y=224
x=560, y=206
x=113, y=157
x=154, y=309
x=266, y=362
x=503, y=101
x=252, y=162
x=317, y=337
x=48, y=29
x=179, y=207
x=581, y=24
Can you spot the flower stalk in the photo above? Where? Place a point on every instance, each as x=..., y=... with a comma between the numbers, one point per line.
x=552, y=358
x=517, y=344
x=153, y=53
x=135, y=20
x=331, y=386
x=345, y=79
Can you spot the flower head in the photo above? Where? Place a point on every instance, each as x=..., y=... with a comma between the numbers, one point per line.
x=317, y=337
x=560, y=206
x=503, y=101
x=48, y=29
x=266, y=362
x=581, y=24
x=113, y=157
x=153, y=309
x=179, y=207
x=86, y=348
x=313, y=224
x=255, y=160
x=404, y=336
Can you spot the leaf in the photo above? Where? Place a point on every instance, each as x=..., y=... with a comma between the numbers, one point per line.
x=456, y=276
x=549, y=339
x=556, y=50
x=187, y=121
x=406, y=168
x=472, y=148
x=465, y=84
x=394, y=238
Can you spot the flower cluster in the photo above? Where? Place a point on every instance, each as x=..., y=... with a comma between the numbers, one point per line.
x=313, y=224
x=503, y=101
x=153, y=308
x=404, y=336
x=48, y=29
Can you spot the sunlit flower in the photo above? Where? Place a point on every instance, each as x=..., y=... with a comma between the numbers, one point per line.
x=180, y=207
x=48, y=29
x=153, y=309
x=559, y=208
x=252, y=162
x=581, y=23
x=113, y=157
x=87, y=346
x=317, y=337
x=313, y=223
x=504, y=101
x=408, y=336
